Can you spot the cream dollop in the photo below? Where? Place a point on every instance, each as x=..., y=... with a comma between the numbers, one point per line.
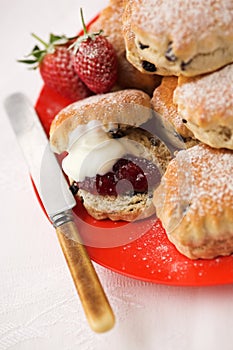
x=95, y=152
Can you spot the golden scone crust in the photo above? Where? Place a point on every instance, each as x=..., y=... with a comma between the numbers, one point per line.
x=130, y=107
x=194, y=202
x=110, y=21
x=162, y=102
x=179, y=37
x=206, y=103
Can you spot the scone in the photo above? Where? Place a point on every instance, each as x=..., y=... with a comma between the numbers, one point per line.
x=162, y=103
x=195, y=202
x=113, y=164
x=110, y=21
x=187, y=37
x=206, y=105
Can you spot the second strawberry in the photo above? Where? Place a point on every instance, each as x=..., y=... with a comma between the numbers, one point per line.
x=95, y=61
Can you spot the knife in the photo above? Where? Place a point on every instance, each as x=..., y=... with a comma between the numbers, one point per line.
x=58, y=202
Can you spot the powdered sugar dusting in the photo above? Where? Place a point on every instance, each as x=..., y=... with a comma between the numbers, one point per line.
x=211, y=179
x=111, y=107
x=111, y=24
x=158, y=260
x=185, y=22
x=207, y=98
x=128, y=106
x=118, y=98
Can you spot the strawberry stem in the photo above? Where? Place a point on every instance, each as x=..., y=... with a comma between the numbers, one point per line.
x=40, y=40
x=83, y=22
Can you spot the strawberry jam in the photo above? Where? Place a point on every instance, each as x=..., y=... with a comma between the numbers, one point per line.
x=129, y=175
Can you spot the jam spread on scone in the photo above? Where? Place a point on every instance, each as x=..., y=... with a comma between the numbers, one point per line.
x=128, y=175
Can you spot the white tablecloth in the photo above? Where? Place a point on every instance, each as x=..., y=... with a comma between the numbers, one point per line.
x=39, y=307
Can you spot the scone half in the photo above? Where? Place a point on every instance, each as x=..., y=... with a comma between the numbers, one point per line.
x=113, y=163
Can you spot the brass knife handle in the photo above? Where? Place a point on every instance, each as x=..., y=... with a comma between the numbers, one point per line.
x=93, y=298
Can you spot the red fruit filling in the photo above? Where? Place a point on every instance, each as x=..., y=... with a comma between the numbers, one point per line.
x=129, y=175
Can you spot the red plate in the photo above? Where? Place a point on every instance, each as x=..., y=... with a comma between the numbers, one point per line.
x=140, y=250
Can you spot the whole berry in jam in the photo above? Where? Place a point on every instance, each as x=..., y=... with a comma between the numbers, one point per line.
x=129, y=175
x=129, y=170
x=106, y=184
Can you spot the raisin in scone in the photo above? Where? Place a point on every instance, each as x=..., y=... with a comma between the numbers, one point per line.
x=187, y=37
x=113, y=162
x=194, y=202
x=206, y=105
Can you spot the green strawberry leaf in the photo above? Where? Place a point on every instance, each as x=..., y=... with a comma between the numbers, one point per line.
x=37, y=54
x=58, y=40
x=27, y=61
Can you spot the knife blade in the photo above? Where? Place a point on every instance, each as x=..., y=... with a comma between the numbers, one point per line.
x=58, y=202
x=166, y=132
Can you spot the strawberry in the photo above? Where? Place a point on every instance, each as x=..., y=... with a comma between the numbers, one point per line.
x=56, y=67
x=95, y=61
